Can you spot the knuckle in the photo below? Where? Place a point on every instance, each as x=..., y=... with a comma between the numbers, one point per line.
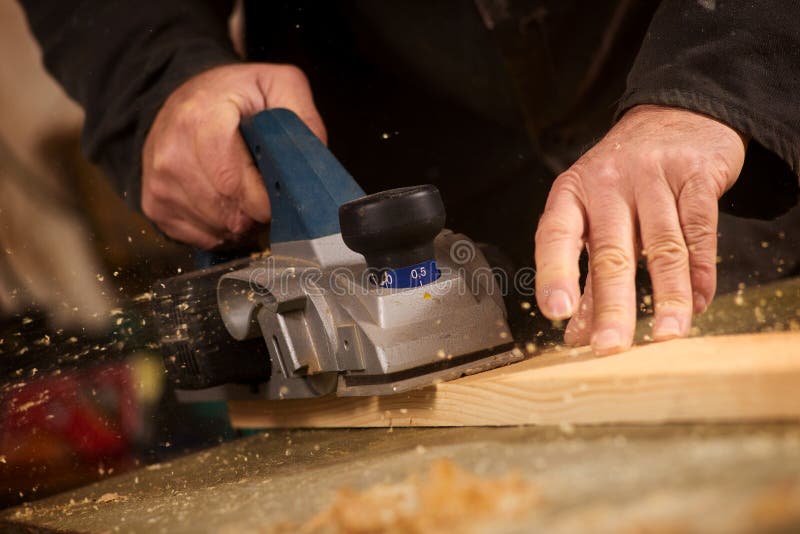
x=668, y=255
x=191, y=112
x=653, y=157
x=607, y=174
x=163, y=158
x=552, y=225
x=226, y=180
x=543, y=232
x=553, y=230
x=699, y=185
x=192, y=105
x=699, y=233
x=610, y=311
x=689, y=157
x=716, y=163
x=291, y=72
x=707, y=177
x=610, y=261
x=567, y=182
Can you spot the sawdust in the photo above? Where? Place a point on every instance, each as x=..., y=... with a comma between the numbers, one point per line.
x=156, y=467
x=777, y=508
x=445, y=499
x=110, y=497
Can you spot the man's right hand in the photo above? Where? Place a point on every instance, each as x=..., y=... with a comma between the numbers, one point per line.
x=199, y=182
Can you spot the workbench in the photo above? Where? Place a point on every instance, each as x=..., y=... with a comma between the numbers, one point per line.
x=634, y=478
x=639, y=479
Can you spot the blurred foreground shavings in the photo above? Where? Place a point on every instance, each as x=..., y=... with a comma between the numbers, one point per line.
x=444, y=499
x=78, y=403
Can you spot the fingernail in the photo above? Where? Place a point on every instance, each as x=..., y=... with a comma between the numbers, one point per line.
x=700, y=303
x=559, y=304
x=606, y=341
x=666, y=328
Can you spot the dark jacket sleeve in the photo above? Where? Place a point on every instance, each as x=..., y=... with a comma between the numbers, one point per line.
x=736, y=61
x=120, y=59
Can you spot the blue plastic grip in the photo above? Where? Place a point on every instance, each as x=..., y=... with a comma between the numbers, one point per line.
x=305, y=182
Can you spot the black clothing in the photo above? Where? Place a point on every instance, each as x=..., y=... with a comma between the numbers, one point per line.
x=734, y=60
x=120, y=59
x=487, y=99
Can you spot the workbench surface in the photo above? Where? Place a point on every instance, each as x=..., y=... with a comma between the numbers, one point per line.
x=723, y=478
x=708, y=478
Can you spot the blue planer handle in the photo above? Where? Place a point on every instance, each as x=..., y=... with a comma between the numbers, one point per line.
x=305, y=182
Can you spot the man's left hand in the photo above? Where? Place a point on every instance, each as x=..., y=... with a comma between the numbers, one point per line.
x=650, y=187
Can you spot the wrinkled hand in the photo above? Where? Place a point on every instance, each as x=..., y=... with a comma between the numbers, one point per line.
x=649, y=187
x=199, y=182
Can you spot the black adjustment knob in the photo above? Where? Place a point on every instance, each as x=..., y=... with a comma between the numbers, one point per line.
x=395, y=228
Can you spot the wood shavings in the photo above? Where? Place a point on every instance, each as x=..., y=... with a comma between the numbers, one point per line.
x=41, y=399
x=445, y=499
x=777, y=507
x=156, y=467
x=110, y=497
x=24, y=513
x=144, y=297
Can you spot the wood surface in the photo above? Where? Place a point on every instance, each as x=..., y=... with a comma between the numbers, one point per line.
x=748, y=377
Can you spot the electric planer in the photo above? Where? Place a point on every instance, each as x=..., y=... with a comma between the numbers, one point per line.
x=359, y=294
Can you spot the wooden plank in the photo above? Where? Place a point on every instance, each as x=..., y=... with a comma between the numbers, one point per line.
x=749, y=377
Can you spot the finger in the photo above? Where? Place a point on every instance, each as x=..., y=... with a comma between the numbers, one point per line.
x=190, y=233
x=613, y=267
x=174, y=174
x=228, y=236
x=698, y=214
x=559, y=241
x=579, y=327
x=191, y=196
x=253, y=199
x=287, y=87
x=667, y=260
x=163, y=202
x=232, y=191
x=217, y=145
x=311, y=117
x=187, y=217
x=205, y=203
x=237, y=213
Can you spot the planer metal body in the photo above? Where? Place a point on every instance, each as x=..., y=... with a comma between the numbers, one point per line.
x=359, y=295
